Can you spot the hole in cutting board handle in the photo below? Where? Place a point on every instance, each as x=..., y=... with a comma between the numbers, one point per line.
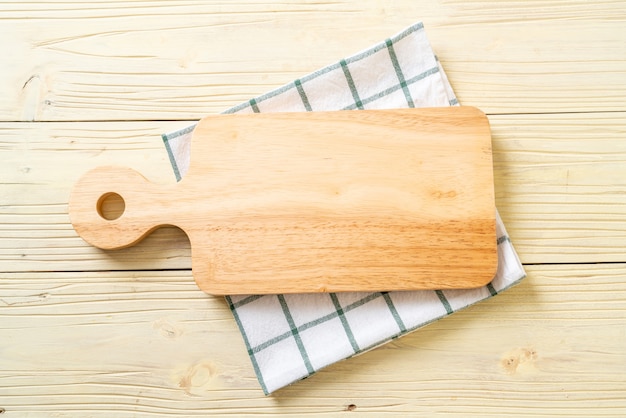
x=111, y=206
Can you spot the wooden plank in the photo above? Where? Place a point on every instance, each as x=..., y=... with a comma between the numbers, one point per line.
x=181, y=60
x=559, y=188
x=93, y=344
x=302, y=202
x=560, y=185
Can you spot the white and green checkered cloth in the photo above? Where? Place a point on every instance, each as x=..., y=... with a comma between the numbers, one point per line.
x=290, y=337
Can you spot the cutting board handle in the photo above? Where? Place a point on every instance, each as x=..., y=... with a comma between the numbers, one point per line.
x=134, y=223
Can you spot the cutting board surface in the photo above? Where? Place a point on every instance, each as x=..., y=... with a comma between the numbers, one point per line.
x=364, y=200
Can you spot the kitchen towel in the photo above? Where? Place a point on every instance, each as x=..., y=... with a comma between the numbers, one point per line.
x=290, y=337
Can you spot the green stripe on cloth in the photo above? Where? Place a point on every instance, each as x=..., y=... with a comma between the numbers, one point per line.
x=503, y=238
x=355, y=93
x=344, y=322
x=492, y=290
x=399, y=74
x=444, y=301
x=254, y=106
x=305, y=100
x=255, y=364
x=361, y=301
x=289, y=334
x=295, y=333
x=392, y=89
x=272, y=341
x=394, y=311
x=170, y=154
x=309, y=324
x=246, y=300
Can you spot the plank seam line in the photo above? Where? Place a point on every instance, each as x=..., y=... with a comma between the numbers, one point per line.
x=192, y=120
x=576, y=263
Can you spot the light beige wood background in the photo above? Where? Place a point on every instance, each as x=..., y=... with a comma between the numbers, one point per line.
x=86, y=333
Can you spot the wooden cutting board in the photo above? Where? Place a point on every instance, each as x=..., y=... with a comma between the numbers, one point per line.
x=366, y=200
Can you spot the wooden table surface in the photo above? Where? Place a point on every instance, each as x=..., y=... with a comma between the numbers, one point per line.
x=87, y=333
